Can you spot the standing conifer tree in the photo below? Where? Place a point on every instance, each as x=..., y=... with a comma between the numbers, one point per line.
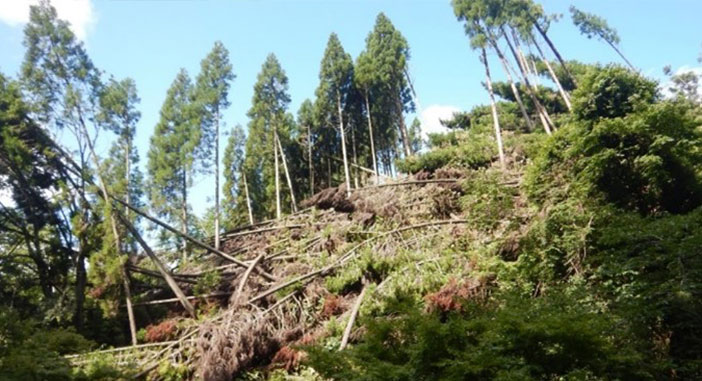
x=211, y=91
x=335, y=81
x=268, y=118
x=171, y=155
x=389, y=53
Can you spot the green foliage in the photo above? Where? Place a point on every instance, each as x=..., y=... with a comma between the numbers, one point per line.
x=474, y=149
x=651, y=269
x=487, y=201
x=207, y=283
x=611, y=92
x=593, y=26
x=556, y=335
x=647, y=161
x=268, y=113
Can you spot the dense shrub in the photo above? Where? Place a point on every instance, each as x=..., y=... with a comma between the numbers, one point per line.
x=556, y=336
x=610, y=92
x=473, y=149
x=647, y=161
x=651, y=270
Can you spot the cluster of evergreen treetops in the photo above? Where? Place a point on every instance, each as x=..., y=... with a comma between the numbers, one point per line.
x=59, y=219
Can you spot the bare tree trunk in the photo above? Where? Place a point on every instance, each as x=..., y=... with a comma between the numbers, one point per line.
x=287, y=173
x=248, y=199
x=543, y=114
x=515, y=91
x=355, y=157
x=160, y=266
x=128, y=297
x=309, y=159
x=553, y=48
x=277, y=178
x=125, y=274
x=184, y=215
x=343, y=144
x=216, y=221
x=329, y=173
x=496, y=121
x=564, y=95
x=370, y=133
x=621, y=55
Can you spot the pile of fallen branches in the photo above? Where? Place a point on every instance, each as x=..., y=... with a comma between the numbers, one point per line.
x=273, y=293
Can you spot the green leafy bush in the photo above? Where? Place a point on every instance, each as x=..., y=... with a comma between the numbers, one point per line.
x=556, y=336
x=473, y=149
x=647, y=161
x=611, y=92
x=651, y=269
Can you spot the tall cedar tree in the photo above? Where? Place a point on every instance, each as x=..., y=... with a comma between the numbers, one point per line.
x=268, y=117
x=211, y=92
x=335, y=84
x=171, y=154
x=389, y=52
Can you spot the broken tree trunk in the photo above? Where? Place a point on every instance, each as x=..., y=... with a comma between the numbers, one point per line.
x=496, y=121
x=565, y=96
x=352, y=319
x=190, y=238
x=248, y=199
x=160, y=266
x=531, y=89
x=287, y=173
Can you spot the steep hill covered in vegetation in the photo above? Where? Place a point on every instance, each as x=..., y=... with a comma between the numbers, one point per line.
x=552, y=234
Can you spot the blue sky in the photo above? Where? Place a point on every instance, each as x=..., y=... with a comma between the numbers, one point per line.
x=150, y=40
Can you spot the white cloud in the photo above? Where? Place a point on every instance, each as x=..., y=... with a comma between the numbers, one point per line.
x=431, y=118
x=79, y=13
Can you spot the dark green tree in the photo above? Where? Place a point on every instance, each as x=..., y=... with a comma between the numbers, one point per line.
x=171, y=155
x=268, y=123
x=211, y=92
x=335, y=82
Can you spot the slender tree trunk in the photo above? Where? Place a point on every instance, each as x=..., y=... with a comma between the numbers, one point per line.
x=564, y=95
x=309, y=159
x=515, y=91
x=216, y=160
x=248, y=199
x=553, y=48
x=277, y=178
x=160, y=266
x=125, y=274
x=343, y=144
x=370, y=133
x=616, y=49
x=543, y=114
x=128, y=297
x=403, y=129
x=329, y=173
x=496, y=121
x=287, y=173
x=355, y=157
x=81, y=281
x=184, y=215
